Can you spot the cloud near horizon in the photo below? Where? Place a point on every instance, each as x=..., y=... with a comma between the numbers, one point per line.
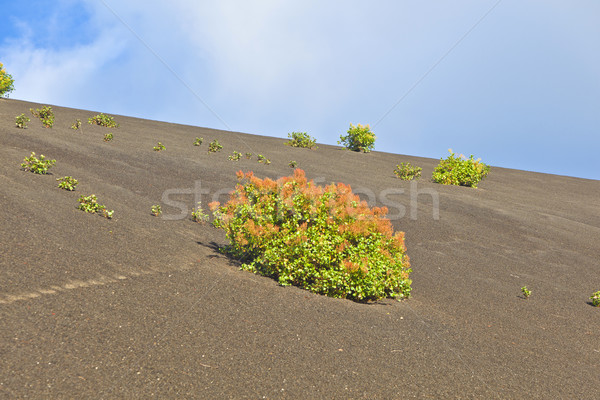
x=520, y=90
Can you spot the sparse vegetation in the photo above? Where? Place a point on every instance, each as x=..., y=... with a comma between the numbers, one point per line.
x=407, y=172
x=263, y=159
x=90, y=204
x=76, y=125
x=235, y=156
x=198, y=214
x=526, y=292
x=595, y=298
x=301, y=139
x=6, y=82
x=37, y=165
x=198, y=141
x=248, y=155
x=292, y=164
x=159, y=147
x=214, y=146
x=359, y=138
x=45, y=114
x=21, y=121
x=156, y=210
x=103, y=120
x=323, y=239
x=108, y=137
x=67, y=182
x=459, y=170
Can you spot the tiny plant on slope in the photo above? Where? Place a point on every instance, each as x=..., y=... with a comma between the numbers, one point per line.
x=6, y=82
x=156, y=210
x=248, y=155
x=76, y=125
x=21, y=121
x=45, y=114
x=103, y=120
x=407, y=172
x=263, y=159
x=323, y=239
x=159, y=147
x=37, y=165
x=90, y=204
x=459, y=170
x=292, y=164
x=214, y=146
x=595, y=298
x=198, y=141
x=198, y=214
x=526, y=292
x=67, y=182
x=235, y=156
x=108, y=137
x=301, y=139
x=358, y=138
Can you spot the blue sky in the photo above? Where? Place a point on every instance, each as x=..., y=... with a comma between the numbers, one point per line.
x=516, y=83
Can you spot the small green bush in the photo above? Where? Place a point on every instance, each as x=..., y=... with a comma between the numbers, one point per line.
x=198, y=141
x=235, y=156
x=214, y=146
x=90, y=204
x=6, y=82
x=103, y=120
x=323, y=239
x=459, y=170
x=407, y=172
x=301, y=139
x=156, y=210
x=45, y=114
x=526, y=292
x=159, y=147
x=108, y=137
x=68, y=183
x=248, y=155
x=263, y=159
x=37, y=165
x=358, y=138
x=595, y=298
x=198, y=214
x=76, y=125
x=21, y=121
x=292, y=164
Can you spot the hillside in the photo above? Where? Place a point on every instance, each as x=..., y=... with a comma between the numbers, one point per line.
x=141, y=306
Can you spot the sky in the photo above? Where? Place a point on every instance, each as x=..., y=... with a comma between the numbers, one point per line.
x=513, y=82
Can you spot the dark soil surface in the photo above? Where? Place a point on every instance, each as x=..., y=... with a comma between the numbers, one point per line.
x=146, y=307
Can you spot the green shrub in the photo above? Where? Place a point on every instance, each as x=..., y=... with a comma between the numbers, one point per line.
x=407, y=172
x=103, y=120
x=235, y=156
x=263, y=159
x=6, y=82
x=248, y=155
x=358, y=138
x=37, y=165
x=323, y=239
x=108, y=137
x=526, y=292
x=156, y=210
x=198, y=141
x=90, y=204
x=214, y=146
x=301, y=139
x=460, y=171
x=292, y=164
x=76, y=125
x=67, y=182
x=45, y=114
x=159, y=147
x=198, y=214
x=21, y=121
x=595, y=298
